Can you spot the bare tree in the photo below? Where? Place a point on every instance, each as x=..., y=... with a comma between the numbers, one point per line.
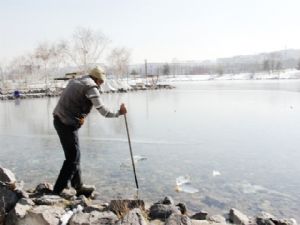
x=16, y=68
x=2, y=76
x=86, y=47
x=166, y=69
x=266, y=65
x=59, y=57
x=119, y=59
x=278, y=66
x=44, y=52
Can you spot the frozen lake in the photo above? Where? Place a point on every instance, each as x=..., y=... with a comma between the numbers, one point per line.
x=238, y=141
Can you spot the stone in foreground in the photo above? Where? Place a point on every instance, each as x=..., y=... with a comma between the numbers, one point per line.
x=135, y=217
x=237, y=217
x=94, y=218
x=160, y=211
x=176, y=219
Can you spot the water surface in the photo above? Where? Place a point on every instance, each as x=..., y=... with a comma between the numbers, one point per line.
x=246, y=130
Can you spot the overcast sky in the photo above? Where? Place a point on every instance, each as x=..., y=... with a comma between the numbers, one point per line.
x=157, y=30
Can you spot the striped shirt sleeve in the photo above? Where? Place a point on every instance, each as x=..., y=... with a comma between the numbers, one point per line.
x=94, y=95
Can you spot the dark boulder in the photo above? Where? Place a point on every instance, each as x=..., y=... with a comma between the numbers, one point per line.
x=161, y=211
x=200, y=215
x=8, y=198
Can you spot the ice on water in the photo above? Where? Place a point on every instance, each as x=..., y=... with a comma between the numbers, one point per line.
x=183, y=184
x=183, y=180
x=136, y=159
x=216, y=173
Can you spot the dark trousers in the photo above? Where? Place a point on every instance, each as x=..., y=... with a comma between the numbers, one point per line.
x=70, y=170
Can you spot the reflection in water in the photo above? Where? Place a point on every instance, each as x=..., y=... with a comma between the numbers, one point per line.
x=247, y=130
x=17, y=101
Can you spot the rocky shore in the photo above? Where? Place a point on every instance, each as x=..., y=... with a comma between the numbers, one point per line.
x=39, y=207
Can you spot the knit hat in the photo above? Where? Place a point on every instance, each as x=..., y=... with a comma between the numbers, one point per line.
x=98, y=73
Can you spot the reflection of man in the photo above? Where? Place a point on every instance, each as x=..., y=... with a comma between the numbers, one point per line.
x=73, y=106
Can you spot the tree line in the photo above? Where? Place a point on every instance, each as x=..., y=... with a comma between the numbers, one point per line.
x=267, y=65
x=83, y=50
x=87, y=48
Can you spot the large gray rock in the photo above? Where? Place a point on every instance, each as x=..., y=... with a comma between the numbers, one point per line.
x=8, y=200
x=265, y=218
x=68, y=193
x=135, y=217
x=94, y=218
x=263, y=221
x=161, y=211
x=217, y=219
x=266, y=215
x=7, y=176
x=41, y=215
x=237, y=217
x=168, y=200
x=176, y=219
x=19, y=211
x=44, y=188
x=50, y=200
x=26, y=201
x=286, y=222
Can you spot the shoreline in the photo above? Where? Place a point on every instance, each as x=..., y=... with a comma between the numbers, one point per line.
x=31, y=89
x=38, y=207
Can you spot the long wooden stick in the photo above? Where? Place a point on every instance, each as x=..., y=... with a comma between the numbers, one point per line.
x=132, y=160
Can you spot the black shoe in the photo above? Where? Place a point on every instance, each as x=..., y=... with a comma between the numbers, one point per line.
x=85, y=190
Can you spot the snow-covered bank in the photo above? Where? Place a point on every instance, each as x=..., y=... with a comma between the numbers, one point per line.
x=54, y=87
x=287, y=74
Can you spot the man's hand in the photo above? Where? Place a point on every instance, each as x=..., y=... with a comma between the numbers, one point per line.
x=123, y=109
x=81, y=121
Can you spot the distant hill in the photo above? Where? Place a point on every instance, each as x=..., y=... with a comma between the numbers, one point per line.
x=262, y=62
x=289, y=58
